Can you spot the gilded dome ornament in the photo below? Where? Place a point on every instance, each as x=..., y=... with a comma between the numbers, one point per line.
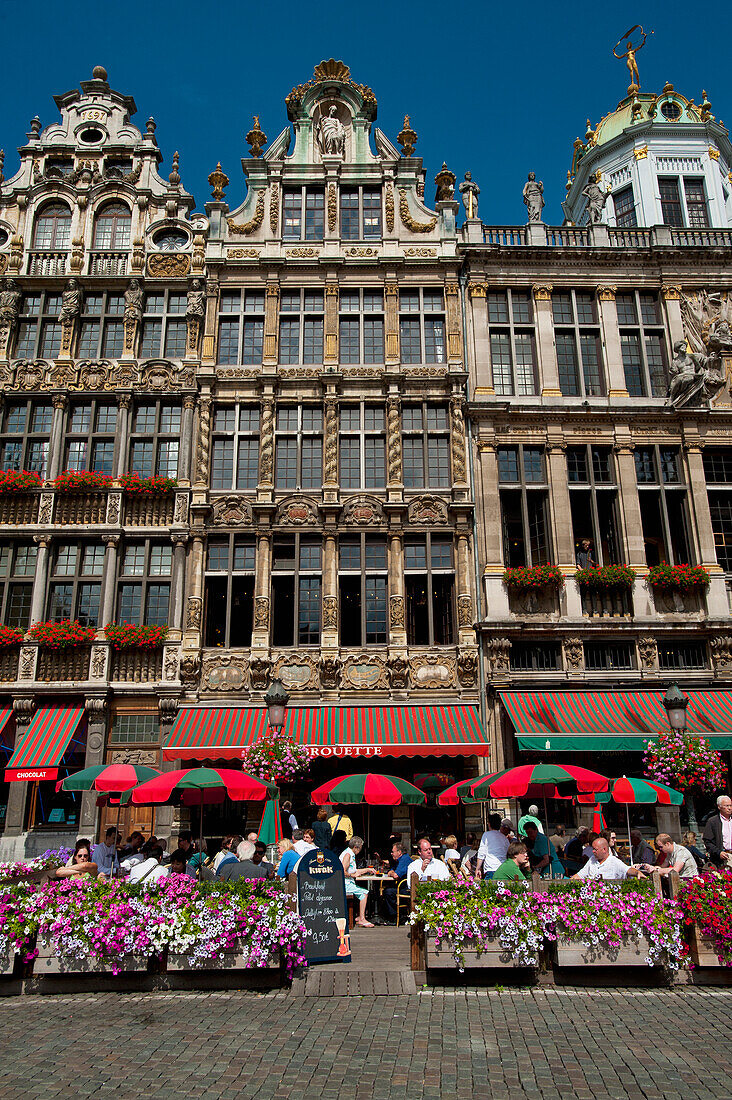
x=407, y=138
x=218, y=181
x=256, y=139
x=632, y=45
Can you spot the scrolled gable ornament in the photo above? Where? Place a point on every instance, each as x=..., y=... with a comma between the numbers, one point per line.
x=410, y=222
x=255, y=222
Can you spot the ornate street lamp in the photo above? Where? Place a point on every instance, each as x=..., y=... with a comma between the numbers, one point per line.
x=276, y=699
x=676, y=703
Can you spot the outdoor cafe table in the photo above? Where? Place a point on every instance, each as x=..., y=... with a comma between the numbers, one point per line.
x=372, y=880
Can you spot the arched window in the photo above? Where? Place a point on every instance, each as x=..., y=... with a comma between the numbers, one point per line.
x=53, y=227
x=112, y=229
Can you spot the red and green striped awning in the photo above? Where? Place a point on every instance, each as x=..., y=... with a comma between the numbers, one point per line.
x=6, y=743
x=40, y=749
x=222, y=732
x=582, y=721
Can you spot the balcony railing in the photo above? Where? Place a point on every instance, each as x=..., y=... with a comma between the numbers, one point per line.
x=533, y=602
x=81, y=508
x=18, y=508
x=612, y=603
x=702, y=238
x=567, y=236
x=47, y=263
x=137, y=666
x=676, y=602
x=506, y=235
x=630, y=238
x=573, y=236
x=108, y=263
x=9, y=665
x=63, y=664
x=154, y=511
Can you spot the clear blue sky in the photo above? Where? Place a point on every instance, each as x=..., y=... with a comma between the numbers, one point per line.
x=497, y=90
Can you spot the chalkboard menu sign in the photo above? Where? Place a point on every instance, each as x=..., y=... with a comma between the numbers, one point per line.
x=321, y=902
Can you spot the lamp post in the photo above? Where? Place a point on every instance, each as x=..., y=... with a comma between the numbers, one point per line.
x=276, y=699
x=676, y=703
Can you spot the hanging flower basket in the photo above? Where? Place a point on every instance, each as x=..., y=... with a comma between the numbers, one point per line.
x=63, y=635
x=680, y=578
x=10, y=637
x=129, y=636
x=135, y=486
x=684, y=761
x=19, y=481
x=522, y=578
x=602, y=577
x=275, y=757
x=81, y=481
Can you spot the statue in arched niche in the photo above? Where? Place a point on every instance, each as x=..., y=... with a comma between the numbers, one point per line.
x=331, y=133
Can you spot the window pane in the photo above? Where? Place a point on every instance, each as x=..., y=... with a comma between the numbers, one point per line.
x=670, y=202
x=289, y=341
x=312, y=343
x=413, y=463
x=567, y=363
x=625, y=306
x=349, y=343
x=87, y=608
x=158, y=598
x=113, y=341
x=51, y=340
x=130, y=602
x=230, y=301
x=373, y=418
x=76, y=455
x=92, y=560
x=309, y=611
x=168, y=458
x=441, y=553
x=533, y=464
x=350, y=230
x=18, y=607
x=89, y=338
x=309, y=554
x=228, y=339
x=314, y=214
x=175, y=340
x=248, y=467
x=375, y=460
x=375, y=590
x=292, y=214
x=438, y=457
x=249, y=418
x=508, y=464
x=632, y=363
x=591, y=371
x=497, y=307
x=562, y=308
x=412, y=418
x=349, y=553
x=134, y=560
x=501, y=362
x=141, y=459
x=65, y=561
x=60, y=602
x=371, y=213
x=245, y=554
x=373, y=301
x=656, y=359
x=145, y=419
x=286, y=464
x=434, y=340
x=103, y=457
x=410, y=340
x=312, y=463
x=645, y=465
x=161, y=560
x=415, y=554
x=252, y=343
x=577, y=464
x=350, y=474
x=525, y=371
x=373, y=340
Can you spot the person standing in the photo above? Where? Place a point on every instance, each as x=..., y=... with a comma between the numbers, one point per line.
x=718, y=833
x=321, y=829
x=493, y=845
x=542, y=853
x=343, y=822
x=531, y=816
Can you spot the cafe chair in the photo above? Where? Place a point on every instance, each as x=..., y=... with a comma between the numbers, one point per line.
x=403, y=897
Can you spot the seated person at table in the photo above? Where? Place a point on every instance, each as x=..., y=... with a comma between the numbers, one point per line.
x=79, y=864
x=689, y=841
x=493, y=845
x=185, y=842
x=306, y=843
x=105, y=855
x=260, y=858
x=339, y=842
x=322, y=830
x=516, y=866
x=351, y=872
x=602, y=864
x=399, y=860
x=151, y=869
x=470, y=838
x=288, y=858
x=532, y=817
x=245, y=867
x=227, y=851
x=469, y=862
x=674, y=858
x=573, y=850
x=179, y=863
x=558, y=839
x=542, y=853
x=132, y=851
x=451, y=848
x=426, y=866
x=641, y=851
x=198, y=858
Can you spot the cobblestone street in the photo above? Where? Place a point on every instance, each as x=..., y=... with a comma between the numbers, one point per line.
x=441, y=1043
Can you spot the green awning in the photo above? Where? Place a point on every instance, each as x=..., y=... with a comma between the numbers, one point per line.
x=610, y=721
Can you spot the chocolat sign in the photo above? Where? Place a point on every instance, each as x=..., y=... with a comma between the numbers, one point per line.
x=321, y=903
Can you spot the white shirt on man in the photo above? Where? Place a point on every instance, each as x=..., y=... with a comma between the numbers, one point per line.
x=726, y=833
x=492, y=849
x=611, y=869
x=435, y=869
x=148, y=871
x=303, y=846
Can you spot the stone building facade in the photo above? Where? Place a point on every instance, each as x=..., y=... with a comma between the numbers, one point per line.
x=365, y=414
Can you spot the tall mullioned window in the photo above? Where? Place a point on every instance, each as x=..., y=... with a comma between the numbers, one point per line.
x=101, y=331
x=235, y=447
x=718, y=474
x=642, y=343
x=303, y=213
x=512, y=340
x=53, y=228
x=662, y=495
x=426, y=446
x=624, y=203
x=577, y=340
x=39, y=328
x=155, y=439
x=360, y=213
x=75, y=587
x=144, y=582
x=296, y=590
x=362, y=586
x=422, y=326
x=593, y=498
x=90, y=434
x=241, y=326
x=229, y=613
x=299, y=447
x=301, y=326
x=112, y=228
x=361, y=326
x=429, y=584
x=524, y=496
x=26, y=432
x=164, y=325
x=362, y=446
x=17, y=570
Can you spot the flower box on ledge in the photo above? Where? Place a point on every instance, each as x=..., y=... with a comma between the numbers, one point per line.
x=524, y=577
x=442, y=955
x=62, y=635
x=19, y=481
x=81, y=481
x=135, y=486
x=130, y=636
x=606, y=577
x=683, y=578
x=632, y=951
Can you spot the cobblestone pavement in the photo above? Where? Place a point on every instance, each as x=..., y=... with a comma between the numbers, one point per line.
x=440, y=1043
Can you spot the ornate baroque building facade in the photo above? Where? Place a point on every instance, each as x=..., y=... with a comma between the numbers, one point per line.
x=368, y=413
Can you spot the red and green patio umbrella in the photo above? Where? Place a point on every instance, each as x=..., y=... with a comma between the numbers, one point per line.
x=202, y=787
x=631, y=792
x=432, y=781
x=113, y=779
x=371, y=788
x=270, y=827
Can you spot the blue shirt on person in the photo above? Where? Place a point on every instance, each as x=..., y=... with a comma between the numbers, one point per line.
x=287, y=863
x=402, y=864
x=544, y=847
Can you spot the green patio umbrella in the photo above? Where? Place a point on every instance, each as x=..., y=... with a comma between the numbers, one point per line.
x=270, y=827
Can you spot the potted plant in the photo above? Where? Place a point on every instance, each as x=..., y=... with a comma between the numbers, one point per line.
x=275, y=758
x=131, y=636
x=679, y=578
x=19, y=481
x=706, y=904
x=61, y=635
x=686, y=762
x=135, y=486
x=81, y=481
x=10, y=637
x=604, y=577
x=522, y=578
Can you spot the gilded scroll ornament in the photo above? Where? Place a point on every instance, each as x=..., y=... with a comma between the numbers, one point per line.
x=274, y=207
x=254, y=223
x=330, y=612
x=332, y=207
x=606, y=293
x=420, y=253
x=542, y=292
x=408, y=221
x=160, y=265
x=396, y=612
x=389, y=203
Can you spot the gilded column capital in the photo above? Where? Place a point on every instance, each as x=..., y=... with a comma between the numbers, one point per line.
x=43, y=540
x=477, y=290
x=124, y=401
x=60, y=401
x=542, y=292
x=189, y=401
x=485, y=446
x=112, y=540
x=606, y=293
x=671, y=293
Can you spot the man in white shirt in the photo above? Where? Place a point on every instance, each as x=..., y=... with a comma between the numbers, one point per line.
x=105, y=855
x=718, y=833
x=426, y=866
x=151, y=869
x=493, y=845
x=306, y=843
x=602, y=864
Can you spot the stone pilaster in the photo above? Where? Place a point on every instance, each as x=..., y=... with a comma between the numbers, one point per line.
x=56, y=441
x=454, y=322
x=459, y=465
x=40, y=580
x=397, y=610
x=632, y=524
x=672, y=308
x=391, y=322
x=96, y=709
x=194, y=608
x=478, y=325
x=124, y=404
x=211, y=320
x=178, y=586
x=186, y=437
x=548, y=370
x=271, y=324
x=266, y=444
x=394, y=443
x=262, y=570
x=616, y=384
x=203, y=453
x=330, y=469
x=109, y=579
x=330, y=353
x=329, y=637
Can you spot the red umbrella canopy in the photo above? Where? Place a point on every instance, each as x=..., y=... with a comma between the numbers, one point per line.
x=628, y=791
x=113, y=778
x=517, y=782
x=375, y=790
x=198, y=786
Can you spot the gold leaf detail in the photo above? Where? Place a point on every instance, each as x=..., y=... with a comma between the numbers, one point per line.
x=256, y=221
x=408, y=220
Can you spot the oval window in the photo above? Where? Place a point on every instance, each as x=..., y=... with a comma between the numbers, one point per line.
x=3, y=237
x=91, y=135
x=171, y=240
x=670, y=110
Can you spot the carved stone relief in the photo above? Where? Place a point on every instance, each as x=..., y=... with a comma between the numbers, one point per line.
x=296, y=512
x=432, y=671
x=330, y=612
x=223, y=673
x=148, y=757
x=231, y=511
x=330, y=671
x=721, y=648
x=297, y=673
x=259, y=672
x=261, y=613
x=98, y=662
x=362, y=511
x=193, y=621
x=573, y=653
x=499, y=659
x=27, y=662
x=465, y=610
x=190, y=665
x=398, y=672
x=396, y=611
x=427, y=510
x=648, y=652
x=364, y=673
x=170, y=664
x=467, y=668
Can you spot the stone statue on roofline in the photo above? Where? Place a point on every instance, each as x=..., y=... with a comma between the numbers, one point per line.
x=596, y=199
x=533, y=195
x=469, y=191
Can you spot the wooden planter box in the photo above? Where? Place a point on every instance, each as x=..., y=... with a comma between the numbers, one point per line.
x=32, y=876
x=703, y=951
x=137, y=665
x=81, y=507
x=232, y=960
x=153, y=511
x=571, y=952
x=442, y=957
x=48, y=962
x=63, y=664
